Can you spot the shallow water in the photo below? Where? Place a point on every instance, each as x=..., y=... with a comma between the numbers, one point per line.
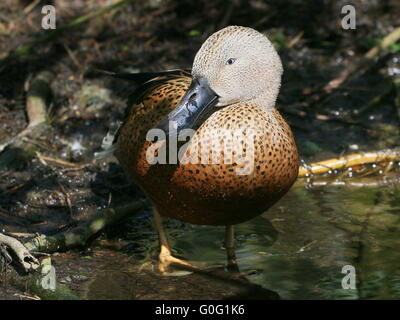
x=298, y=248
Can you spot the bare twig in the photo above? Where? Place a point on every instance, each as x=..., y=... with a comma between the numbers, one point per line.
x=295, y=39
x=73, y=57
x=67, y=200
x=55, y=160
x=349, y=161
x=31, y=6
x=391, y=38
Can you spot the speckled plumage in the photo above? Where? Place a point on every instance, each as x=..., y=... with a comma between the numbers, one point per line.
x=212, y=194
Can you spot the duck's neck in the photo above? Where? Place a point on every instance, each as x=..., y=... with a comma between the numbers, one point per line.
x=267, y=100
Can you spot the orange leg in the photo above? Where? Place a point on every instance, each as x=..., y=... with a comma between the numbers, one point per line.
x=230, y=248
x=165, y=258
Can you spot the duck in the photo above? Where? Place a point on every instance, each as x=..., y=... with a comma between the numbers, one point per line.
x=207, y=145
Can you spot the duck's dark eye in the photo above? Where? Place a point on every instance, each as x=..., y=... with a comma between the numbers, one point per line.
x=230, y=61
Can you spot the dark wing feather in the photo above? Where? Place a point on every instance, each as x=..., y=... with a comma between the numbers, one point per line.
x=156, y=79
x=143, y=77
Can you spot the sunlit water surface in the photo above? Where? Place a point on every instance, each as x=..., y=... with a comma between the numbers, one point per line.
x=299, y=247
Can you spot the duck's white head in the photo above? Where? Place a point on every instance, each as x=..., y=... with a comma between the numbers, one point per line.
x=234, y=65
x=239, y=64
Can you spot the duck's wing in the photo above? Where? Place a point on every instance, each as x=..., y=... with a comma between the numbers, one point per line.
x=147, y=82
x=152, y=80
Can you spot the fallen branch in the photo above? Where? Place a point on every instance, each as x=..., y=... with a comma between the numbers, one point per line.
x=79, y=236
x=349, y=161
x=25, y=258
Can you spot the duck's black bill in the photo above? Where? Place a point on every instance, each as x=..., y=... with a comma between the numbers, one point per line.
x=195, y=107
